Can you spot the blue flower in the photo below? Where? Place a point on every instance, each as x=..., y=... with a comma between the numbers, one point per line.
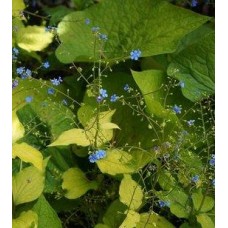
x=99, y=154
x=103, y=93
x=50, y=29
x=15, y=83
x=56, y=82
x=190, y=122
x=213, y=182
x=195, y=178
x=181, y=84
x=212, y=160
x=99, y=99
x=126, y=87
x=51, y=91
x=15, y=51
x=113, y=98
x=194, y=3
x=28, y=73
x=163, y=203
x=64, y=101
x=177, y=109
x=20, y=70
x=46, y=65
x=29, y=99
x=95, y=29
x=103, y=37
x=135, y=54
x=87, y=21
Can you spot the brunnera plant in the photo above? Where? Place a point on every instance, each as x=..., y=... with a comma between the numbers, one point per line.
x=113, y=115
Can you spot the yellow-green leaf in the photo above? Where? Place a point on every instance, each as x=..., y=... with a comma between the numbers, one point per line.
x=205, y=221
x=28, y=185
x=131, y=220
x=76, y=184
x=72, y=136
x=18, y=5
x=33, y=38
x=26, y=219
x=153, y=220
x=17, y=128
x=207, y=202
x=28, y=154
x=131, y=193
x=116, y=162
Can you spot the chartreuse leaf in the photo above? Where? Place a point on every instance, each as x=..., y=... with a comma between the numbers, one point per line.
x=28, y=154
x=88, y=136
x=131, y=193
x=47, y=107
x=153, y=220
x=73, y=136
x=166, y=180
x=17, y=6
x=101, y=226
x=131, y=220
x=165, y=25
x=17, y=128
x=195, y=67
x=114, y=215
x=33, y=38
x=205, y=221
x=28, y=185
x=202, y=203
x=27, y=219
x=76, y=184
x=47, y=215
x=116, y=162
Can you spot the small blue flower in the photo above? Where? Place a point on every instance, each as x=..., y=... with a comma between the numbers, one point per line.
x=20, y=70
x=113, y=98
x=212, y=160
x=64, y=101
x=195, y=178
x=181, y=84
x=135, y=54
x=190, y=122
x=29, y=99
x=163, y=203
x=51, y=91
x=103, y=93
x=177, y=109
x=15, y=83
x=87, y=21
x=92, y=158
x=46, y=65
x=103, y=37
x=28, y=73
x=213, y=182
x=95, y=29
x=50, y=29
x=126, y=87
x=194, y=3
x=56, y=82
x=99, y=98
x=15, y=51
x=99, y=154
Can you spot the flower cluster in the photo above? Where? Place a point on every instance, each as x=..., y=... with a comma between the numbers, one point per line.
x=99, y=154
x=15, y=53
x=177, y=109
x=56, y=82
x=135, y=54
x=102, y=95
x=23, y=72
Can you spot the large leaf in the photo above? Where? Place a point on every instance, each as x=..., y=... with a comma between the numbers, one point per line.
x=131, y=193
x=114, y=215
x=204, y=203
x=195, y=66
x=33, y=38
x=163, y=26
x=76, y=184
x=17, y=128
x=49, y=108
x=153, y=220
x=28, y=154
x=131, y=220
x=116, y=162
x=28, y=185
x=205, y=221
x=17, y=7
x=26, y=219
x=47, y=215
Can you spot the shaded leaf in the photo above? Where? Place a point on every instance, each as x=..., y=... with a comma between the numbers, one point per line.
x=205, y=221
x=26, y=219
x=203, y=203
